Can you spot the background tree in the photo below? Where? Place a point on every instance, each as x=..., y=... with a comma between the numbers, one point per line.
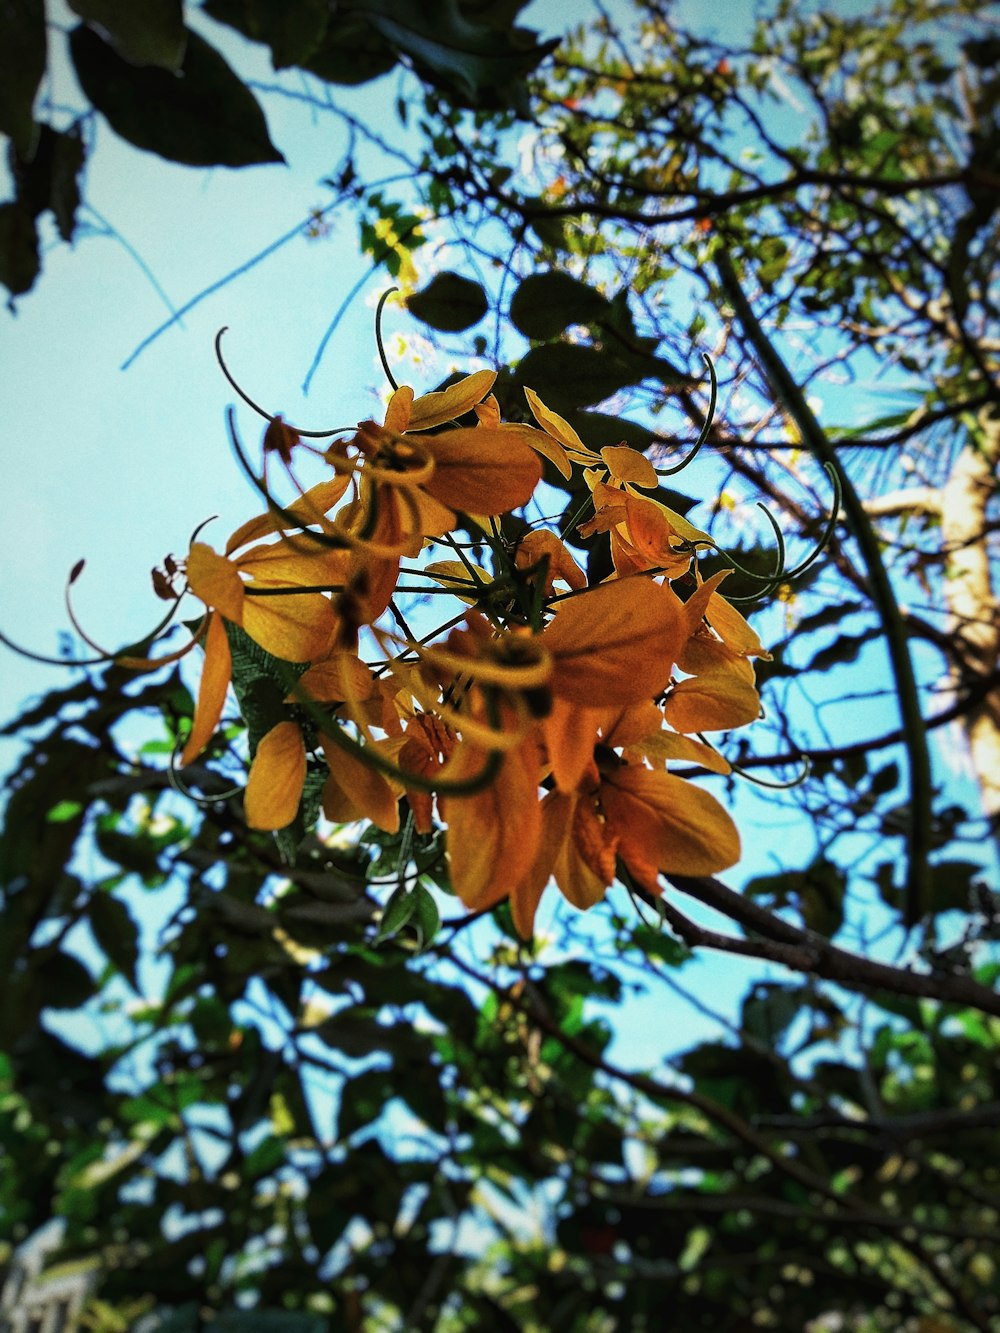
x=814, y=204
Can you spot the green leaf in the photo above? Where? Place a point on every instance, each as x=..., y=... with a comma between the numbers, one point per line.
x=547, y=303
x=363, y=1100
x=352, y=52
x=822, y=897
x=768, y=1011
x=116, y=934
x=294, y=32
x=567, y=376
x=425, y=917
x=449, y=302
x=19, y=262
x=63, y=982
x=22, y=64
x=201, y=116
x=268, y=1155
x=479, y=65
x=398, y=910
x=152, y=33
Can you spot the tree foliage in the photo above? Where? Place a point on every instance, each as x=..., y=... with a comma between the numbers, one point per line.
x=253, y=1074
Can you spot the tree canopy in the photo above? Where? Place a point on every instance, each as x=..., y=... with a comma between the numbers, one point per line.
x=338, y=1081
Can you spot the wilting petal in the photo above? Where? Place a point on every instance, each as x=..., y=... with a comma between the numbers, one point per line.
x=216, y=673
x=216, y=581
x=277, y=776
x=667, y=823
x=533, y=545
x=713, y=702
x=434, y=409
x=481, y=471
x=616, y=643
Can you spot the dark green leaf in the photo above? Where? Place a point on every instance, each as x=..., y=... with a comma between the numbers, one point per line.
x=821, y=896
x=116, y=933
x=152, y=33
x=352, y=52
x=63, y=982
x=294, y=32
x=22, y=64
x=449, y=302
x=567, y=376
x=19, y=263
x=479, y=65
x=202, y=115
x=547, y=303
x=363, y=1100
x=398, y=910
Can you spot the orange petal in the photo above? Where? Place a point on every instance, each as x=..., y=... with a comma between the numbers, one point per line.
x=664, y=746
x=616, y=643
x=356, y=791
x=216, y=674
x=713, y=702
x=585, y=867
x=481, y=471
x=733, y=628
x=562, y=566
x=553, y=424
x=397, y=414
x=310, y=507
x=556, y=814
x=570, y=732
x=488, y=411
x=629, y=465
x=281, y=562
x=668, y=823
x=493, y=835
x=434, y=409
x=277, y=776
x=216, y=581
x=297, y=626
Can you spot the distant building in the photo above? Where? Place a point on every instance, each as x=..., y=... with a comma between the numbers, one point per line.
x=41, y=1298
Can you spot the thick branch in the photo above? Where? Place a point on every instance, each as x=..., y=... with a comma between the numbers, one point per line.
x=776, y=940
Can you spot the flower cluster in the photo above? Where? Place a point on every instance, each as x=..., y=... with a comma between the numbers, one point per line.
x=538, y=723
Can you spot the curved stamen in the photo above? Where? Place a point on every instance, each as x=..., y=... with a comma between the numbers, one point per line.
x=775, y=785
x=378, y=336
x=49, y=661
x=261, y=412
x=713, y=398
x=292, y=523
